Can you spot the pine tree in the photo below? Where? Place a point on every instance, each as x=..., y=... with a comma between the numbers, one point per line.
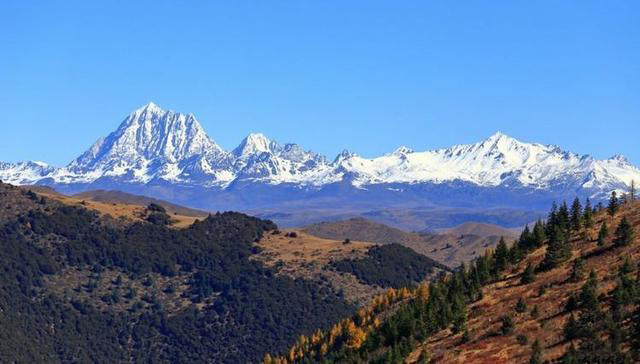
x=564, y=219
x=500, y=257
x=624, y=233
x=588, y=214
x=632, y=191
x=576, y=215
x=535, y=312
x=521, y=305
x=577, y=270
x=539, y=235
x=572, y=303
x=571, y=329
x=536, y=355
x=603, y=234
x=507, y=325
x=558, y=250
x=525, y=241
x=483, y=268
x=516, y=253
x=552, y=219
x=613, y=204
x=529, y=275
x=589, y=294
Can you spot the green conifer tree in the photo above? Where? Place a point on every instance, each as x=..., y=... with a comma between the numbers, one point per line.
x=603, y=234
x=558, y=250
x=577, y=271
x=576, y=215
x=613, y=204
x=588, y=214
x=529, y=275
x=500, y=257
x=539, y=235
x=624, y=233
x=536, y=355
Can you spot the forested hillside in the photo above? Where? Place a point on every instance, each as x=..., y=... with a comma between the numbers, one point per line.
x=81, y=286
x=567, y=292
x=76, y=288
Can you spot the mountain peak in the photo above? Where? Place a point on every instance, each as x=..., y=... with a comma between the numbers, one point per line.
x=620, y=158
x=151, y=107
x=255, y=143
x=147, y=136
x=402, y=150
x=345, y=154
x=498, y=136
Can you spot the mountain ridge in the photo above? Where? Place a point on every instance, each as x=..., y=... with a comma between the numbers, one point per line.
x=168, y=155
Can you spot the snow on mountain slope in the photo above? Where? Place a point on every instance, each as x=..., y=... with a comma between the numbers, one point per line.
x=498, y=160
x=24, y=173
x=152, y=144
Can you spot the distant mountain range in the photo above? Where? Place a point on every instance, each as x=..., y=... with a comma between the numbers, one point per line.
x=168, y=155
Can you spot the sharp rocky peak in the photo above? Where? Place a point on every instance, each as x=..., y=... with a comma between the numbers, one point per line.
x=255, y=143
x=155, y=143
x=150, y=133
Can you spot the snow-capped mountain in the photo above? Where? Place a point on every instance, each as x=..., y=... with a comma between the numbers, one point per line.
x=25, y=173
x=153, y=147
x=497, y=161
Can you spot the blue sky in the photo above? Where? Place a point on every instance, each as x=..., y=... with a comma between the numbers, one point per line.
x=329, y=75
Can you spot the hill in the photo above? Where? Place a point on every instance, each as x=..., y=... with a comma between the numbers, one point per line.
x=481, y=229
x=80, y=285
x=119, y=197
x=451, y=247
x=362, y=229
x=567, y=292
x=549, y=295
x=122, y=206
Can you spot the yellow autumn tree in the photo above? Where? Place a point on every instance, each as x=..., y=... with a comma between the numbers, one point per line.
x=422, y=292
x=267, y=359
x=361, y=317
x=324, y=348
x=292, y=354
x=355, y=336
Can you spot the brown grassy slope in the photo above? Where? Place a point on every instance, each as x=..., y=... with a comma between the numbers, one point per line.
x=307, y=256
x=447, y=248
x=112, y=196
x=488, y=346
x=41, y=189
x=481, y=229
x=453, y=250
x=362, y=229
x=130, y=212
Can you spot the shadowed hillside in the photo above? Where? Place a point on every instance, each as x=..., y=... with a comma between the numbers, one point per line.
x=87, y=281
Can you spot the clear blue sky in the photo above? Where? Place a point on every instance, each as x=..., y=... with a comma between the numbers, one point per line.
x=363, y=75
